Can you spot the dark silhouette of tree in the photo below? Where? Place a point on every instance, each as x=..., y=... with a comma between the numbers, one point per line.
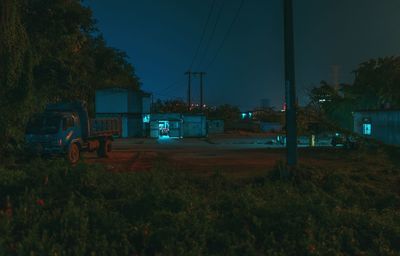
x=51, y=50
x=15, y=73
x=377, y=83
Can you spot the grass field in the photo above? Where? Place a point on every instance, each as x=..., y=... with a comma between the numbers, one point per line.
x=337, y=203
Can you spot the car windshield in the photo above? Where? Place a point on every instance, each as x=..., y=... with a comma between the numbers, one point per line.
x=43, y=125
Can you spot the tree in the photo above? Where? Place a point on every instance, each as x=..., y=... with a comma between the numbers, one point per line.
x=72, y=58
x=50, y=50
x=15, y=73
x=226, y=112
x=377, y=83
x=170, y=106
x=330, y=106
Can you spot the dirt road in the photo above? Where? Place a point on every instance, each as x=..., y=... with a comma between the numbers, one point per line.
x=201, y=156
x=195, y=155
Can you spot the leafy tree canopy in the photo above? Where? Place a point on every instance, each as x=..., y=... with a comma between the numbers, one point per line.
x=51, y=50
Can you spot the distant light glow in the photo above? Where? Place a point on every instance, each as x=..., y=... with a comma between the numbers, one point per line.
x=244, y=115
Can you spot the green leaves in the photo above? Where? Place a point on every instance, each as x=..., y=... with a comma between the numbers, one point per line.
x=377, y=83
x=50, y=51
x=85, y=210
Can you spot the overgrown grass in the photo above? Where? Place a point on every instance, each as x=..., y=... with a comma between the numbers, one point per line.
x=50, y=208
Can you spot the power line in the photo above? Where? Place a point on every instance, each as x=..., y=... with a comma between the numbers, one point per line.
x=202, y=35
x=173, y=85
x=212, y=33
x=226, y=35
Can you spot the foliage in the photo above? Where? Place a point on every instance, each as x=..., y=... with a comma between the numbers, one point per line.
x=170, y=106
x=225, y=112
x=50, y=51
x=331, y=106
x=51, y=208
x=377, y=83
x=269, y=115
x=375, y=87
x=15, y=73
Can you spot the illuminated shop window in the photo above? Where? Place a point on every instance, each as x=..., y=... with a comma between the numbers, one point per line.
x=367, y=129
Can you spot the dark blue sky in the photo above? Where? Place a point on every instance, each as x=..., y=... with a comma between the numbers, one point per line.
x=161, y=37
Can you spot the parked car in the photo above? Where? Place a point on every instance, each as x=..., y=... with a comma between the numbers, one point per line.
x=346, y=140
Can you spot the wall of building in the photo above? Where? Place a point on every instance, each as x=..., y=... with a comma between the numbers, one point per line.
x=194, y=126
x=111, y=101
x=129, y=105
x=384, y=125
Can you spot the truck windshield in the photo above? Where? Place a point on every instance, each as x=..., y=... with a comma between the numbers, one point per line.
x=43, y=125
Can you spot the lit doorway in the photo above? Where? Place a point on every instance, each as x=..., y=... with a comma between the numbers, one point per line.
x=163, y=128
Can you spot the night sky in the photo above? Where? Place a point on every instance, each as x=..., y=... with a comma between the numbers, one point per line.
x=161, y=38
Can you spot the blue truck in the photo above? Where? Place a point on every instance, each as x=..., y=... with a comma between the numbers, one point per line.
x=65, y=129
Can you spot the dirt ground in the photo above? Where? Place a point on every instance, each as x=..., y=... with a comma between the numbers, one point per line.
x=204, y=156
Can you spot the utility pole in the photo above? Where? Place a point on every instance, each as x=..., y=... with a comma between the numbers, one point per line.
x=189, y=73
x=201, y=74
x=290, y=88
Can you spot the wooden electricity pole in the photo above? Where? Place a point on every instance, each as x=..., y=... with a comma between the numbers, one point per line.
x=189, y=73
x=290, y=88
x=201, y=74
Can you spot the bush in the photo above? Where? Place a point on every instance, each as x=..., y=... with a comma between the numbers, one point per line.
x=49, y=207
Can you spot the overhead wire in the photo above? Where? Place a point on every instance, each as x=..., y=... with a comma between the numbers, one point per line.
x=226, y=35
x=202, y=35
x=197, y=49
x=212, y=33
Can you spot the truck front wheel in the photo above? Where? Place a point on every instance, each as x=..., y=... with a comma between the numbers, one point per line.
x=73, y=153
x=104, y=148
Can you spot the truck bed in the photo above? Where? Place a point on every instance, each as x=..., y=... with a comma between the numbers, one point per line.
x=100, y=127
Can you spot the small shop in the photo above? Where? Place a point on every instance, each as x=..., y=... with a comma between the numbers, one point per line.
x=175, y=125
x=167, y=125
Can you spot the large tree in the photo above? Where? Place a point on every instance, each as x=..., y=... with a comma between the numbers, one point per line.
x=377, y=83
x=72, y=58
x=330, y=106
x=15, y=73
x=50, y=50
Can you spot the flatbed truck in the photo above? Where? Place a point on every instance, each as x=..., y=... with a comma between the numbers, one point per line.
x=65, y=129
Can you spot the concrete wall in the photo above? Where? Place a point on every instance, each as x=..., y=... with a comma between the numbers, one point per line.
x=194, y=126
x=385, y=125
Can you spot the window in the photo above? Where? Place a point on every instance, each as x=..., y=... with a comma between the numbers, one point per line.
x=367, y=129
x=68, y=122
x=146, y=118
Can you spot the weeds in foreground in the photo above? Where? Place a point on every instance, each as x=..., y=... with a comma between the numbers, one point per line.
x=48, y=207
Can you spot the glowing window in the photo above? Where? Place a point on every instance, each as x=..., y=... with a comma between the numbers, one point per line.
x=146, y=118
x=367, y=129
